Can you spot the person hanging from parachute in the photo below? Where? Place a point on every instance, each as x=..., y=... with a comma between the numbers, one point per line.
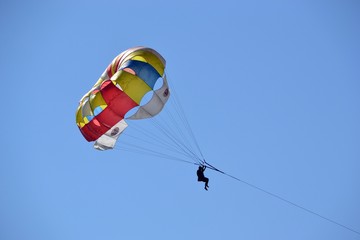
x=115, y=102
x=201, y=176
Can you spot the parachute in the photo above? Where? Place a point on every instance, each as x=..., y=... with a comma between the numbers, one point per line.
x=117, y=96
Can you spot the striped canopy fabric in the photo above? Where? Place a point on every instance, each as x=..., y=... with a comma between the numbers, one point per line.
x=101, y=113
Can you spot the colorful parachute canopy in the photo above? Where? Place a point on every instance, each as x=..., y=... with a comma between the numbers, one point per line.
x=132, y=74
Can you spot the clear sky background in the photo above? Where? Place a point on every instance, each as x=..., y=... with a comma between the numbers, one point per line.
x=271, y=90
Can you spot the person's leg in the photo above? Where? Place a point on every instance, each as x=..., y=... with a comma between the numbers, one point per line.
x=206, y=181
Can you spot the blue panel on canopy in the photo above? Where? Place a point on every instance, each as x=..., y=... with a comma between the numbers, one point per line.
x=144, y=71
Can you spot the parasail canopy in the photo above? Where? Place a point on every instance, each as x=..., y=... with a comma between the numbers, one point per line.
x=102, y=111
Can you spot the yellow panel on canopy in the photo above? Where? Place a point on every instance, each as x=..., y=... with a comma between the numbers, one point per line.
x=132, y=85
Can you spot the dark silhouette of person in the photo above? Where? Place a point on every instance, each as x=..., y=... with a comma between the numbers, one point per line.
x=201, y=177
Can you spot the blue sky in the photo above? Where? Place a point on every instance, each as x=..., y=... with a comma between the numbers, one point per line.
x=270, y=88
